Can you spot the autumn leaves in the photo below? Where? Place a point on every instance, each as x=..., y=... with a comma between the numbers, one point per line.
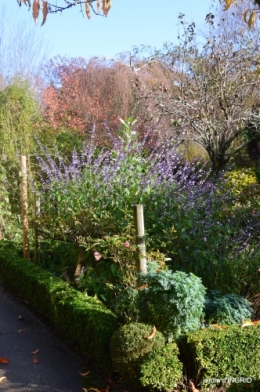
x=106, y=5
x=45, y=7
x=5, y=361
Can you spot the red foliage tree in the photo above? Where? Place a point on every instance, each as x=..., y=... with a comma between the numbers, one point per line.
x=80, y=94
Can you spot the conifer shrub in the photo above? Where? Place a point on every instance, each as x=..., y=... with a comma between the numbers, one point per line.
x=226, y=309
x=173, y=301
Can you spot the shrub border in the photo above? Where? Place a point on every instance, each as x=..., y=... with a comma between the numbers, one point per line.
x=82, y=321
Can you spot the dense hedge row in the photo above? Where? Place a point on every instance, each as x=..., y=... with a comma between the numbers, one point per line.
x=222, y=356
x=209, y=357
x=83, y=321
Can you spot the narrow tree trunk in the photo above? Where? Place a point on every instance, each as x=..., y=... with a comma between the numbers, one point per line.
x=80, y=261
x=24, y=202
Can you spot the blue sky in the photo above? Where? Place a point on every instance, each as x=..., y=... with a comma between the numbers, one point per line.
x=129, y=23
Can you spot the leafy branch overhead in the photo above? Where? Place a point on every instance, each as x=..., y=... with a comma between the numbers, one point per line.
x=47, y=7
x=249, y=14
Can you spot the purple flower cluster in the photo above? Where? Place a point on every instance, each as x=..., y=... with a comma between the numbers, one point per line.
x=174, y=192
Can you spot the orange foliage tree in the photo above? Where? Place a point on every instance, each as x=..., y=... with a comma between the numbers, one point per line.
x=80, y=93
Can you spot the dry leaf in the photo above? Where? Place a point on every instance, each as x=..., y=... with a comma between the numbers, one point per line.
x=109, y=5
x=251, y=20
x=21, y=330
x=245, y=15
x=94, y=389
x=85, y=374
x=98, y=6
x=152, y=333
x=4, y=360
x=87, y=10
x=36, y=8
x=142, y=287
x=36, y=360
x=84, y=390
x=247, y=323
x=217, y=326
x=229, y=3
x=192, y=387
x=36, y=351
x=104, y=7
x=44, y=11
x=2, y=379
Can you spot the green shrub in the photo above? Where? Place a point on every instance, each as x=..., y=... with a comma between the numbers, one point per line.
x=239, y=180
x=161, y=369
x=209, y=355
x=172, y=301
x=226, y=309
x=128, y=346
x=83, y=321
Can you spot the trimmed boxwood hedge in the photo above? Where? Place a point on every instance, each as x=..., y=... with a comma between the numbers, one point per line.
x=210, y=355
x=81, y=320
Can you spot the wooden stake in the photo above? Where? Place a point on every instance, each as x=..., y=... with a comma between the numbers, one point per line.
x=37, y=212
x=140, y=239
x=24, y=202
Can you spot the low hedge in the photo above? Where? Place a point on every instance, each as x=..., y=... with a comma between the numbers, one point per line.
x=213, y=357
x=143, y=359
x=82, y=321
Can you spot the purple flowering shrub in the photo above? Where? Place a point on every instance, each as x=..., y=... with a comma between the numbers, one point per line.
x=190, y=215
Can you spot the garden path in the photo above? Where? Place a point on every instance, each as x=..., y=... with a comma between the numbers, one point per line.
x=54, y=368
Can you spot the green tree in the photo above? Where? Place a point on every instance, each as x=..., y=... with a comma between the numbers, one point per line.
x=19, y=121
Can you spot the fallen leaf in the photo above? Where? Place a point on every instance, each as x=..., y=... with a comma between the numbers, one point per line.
x=21, y=330
x=84, y=390
x=36, y=360
x=247, y=323
x=84, y=374
x=152, y=333
x=2, y=379
x=94, y=389
x=4, y=360
x=36, y=351
x=217, y=326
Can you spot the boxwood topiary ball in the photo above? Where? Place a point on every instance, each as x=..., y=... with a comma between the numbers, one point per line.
x=128, y=346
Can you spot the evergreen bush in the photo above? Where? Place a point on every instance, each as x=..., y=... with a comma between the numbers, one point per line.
x=128, y=346
x=161, y=369
x=226, y=309
x=171, y=301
